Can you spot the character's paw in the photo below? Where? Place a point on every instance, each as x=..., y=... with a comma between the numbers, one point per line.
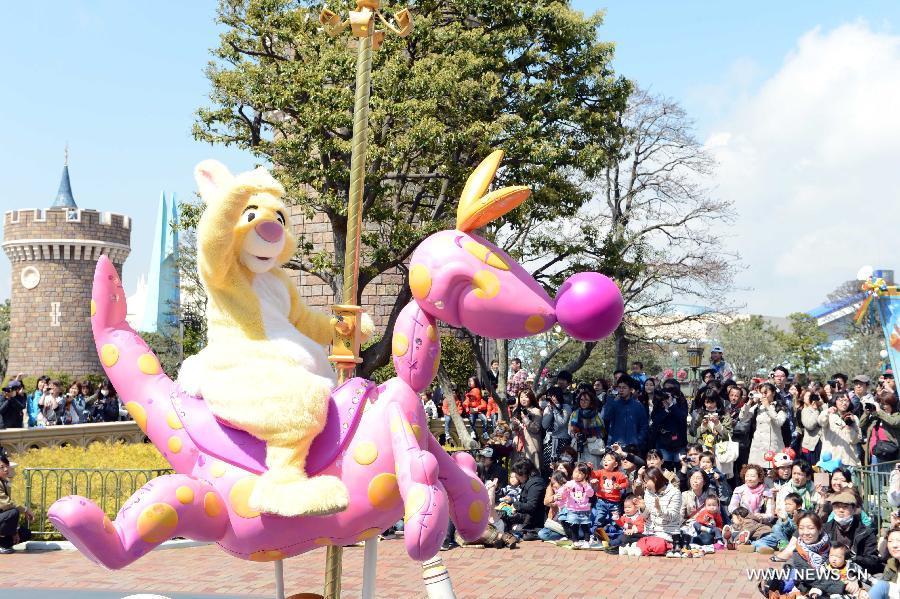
x=366, y=325
x=290, y=497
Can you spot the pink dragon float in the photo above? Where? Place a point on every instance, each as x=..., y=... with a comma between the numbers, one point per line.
x=376, y=439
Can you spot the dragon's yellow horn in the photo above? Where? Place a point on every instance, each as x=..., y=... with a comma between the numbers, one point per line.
x=476, y=209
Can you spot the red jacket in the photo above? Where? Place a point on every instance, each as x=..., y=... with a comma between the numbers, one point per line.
x=474, y=403
x=610, y=484
x=492, y=407
x=459, y=407
x=636, y=520
x=707, y=518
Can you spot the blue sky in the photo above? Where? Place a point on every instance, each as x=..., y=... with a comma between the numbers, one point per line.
x=120, y=81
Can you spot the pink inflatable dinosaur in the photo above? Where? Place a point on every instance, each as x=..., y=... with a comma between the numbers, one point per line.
x=376, y=438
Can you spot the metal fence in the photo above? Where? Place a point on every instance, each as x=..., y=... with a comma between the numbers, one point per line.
x=109, y=489
x=873, y=482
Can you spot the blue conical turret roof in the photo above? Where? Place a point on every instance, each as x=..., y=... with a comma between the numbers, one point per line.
x=64, y=197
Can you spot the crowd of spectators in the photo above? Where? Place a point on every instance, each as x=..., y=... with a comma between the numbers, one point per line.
x=52, y=403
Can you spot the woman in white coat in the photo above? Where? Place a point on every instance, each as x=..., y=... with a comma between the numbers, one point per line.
x=769, y=412
x=840, y=430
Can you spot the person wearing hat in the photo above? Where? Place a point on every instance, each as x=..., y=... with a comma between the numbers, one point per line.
x=717, y=362
x=12, y=406
x=844, y=527
x=860, y=393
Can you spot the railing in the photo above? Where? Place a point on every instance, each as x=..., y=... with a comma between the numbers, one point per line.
x=109, y=489
x=20, y=440
x=874, y=482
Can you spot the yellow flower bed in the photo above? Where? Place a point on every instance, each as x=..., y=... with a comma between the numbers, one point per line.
x=106, y=487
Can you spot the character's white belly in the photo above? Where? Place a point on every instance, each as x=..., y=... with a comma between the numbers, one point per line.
x=275, y=304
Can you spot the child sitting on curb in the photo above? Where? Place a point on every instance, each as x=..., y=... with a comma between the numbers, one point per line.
x=743, y=529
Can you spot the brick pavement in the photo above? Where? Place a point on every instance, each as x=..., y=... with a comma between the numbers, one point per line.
x=535, y=570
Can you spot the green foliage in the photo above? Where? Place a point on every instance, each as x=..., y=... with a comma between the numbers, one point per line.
x=751, y=344
x=532, y=78
x=802, y=343
x=458, y=360
x=382, y=373
x=859, y=354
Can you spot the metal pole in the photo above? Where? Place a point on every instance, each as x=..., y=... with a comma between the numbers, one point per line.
x=334, y=554
x=279, y=579
x=370, y=565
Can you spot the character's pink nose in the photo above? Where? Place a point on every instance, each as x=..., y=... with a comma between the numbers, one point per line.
x=589, y=306
x=270, y=230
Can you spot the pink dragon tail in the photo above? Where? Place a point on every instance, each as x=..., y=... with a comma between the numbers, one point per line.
x=416, y=347
x=135, y=372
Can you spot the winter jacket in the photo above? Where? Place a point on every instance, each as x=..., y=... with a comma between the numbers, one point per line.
x=807, y=493
x=742, y=496
x=556, y=420
x=890, y=570
x=767, y=435
x=715, y=429
x=474, y=403
x=531, y=503
x=627, y=422
x=34, y=408
x=575, y=496
x=663, y=520
x=812, y=430
x=840, y=438
x=11, y=409
x=862, y=540
x=669, y=427
x=890, y=424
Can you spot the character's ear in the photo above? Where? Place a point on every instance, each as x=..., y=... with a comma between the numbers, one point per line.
x=476, y=209
x=212, y=176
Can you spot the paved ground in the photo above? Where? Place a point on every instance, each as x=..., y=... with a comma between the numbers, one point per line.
x=535, y=570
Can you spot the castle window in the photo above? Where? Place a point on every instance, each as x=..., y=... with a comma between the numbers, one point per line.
x=40, y=216
x=106, y=218
x=73, y=215
x=13, y=216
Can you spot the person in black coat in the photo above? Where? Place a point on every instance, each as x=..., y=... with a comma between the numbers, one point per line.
x=11, y=405
x=529, y=509
x=846, y=528
x=668, y=428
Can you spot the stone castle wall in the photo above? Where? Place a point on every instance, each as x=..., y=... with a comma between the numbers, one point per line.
x=53, y=254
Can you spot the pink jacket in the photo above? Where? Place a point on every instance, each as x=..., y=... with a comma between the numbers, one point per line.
x=575, y=496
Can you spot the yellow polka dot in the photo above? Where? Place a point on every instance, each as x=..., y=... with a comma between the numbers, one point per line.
x=157, y=523
x=417, y=431
x=322, y=541
x=437, y=362
x=369, y=533
x=218, y=469
x=395, y=425
x=535, y=323
x=174, y=444
x=365, y=453
x=419, y=281
x=486, y=284
x=93, y=307
x=384, y=494
x=400, y=344
x=415, y=501
x=138, y=413
x=148, y=364
x=476, y=484
x=431, y=332
x=239, y=497
x=173, y=421
x=109, y=355
x=476, y=511
x=211, y=505
x=108, y=527
x=266, y=555
x=184, y=494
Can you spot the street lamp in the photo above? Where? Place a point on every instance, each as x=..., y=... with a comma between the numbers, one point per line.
x=674, y=360
x=695, y=356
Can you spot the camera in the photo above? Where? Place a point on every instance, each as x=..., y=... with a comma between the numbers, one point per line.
x=870, y=406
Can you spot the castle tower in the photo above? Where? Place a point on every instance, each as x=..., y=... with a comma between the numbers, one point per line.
x=53, y=253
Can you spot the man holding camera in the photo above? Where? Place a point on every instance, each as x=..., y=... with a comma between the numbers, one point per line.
x=860, y=393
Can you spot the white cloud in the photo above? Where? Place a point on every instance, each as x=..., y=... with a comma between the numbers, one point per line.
x=810, y=160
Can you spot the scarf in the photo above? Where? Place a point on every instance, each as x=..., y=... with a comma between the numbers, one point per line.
x=754, y=501
x=803, y=492
x=816, y=555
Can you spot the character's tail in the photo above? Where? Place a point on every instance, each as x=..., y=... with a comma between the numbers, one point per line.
x=134, y=370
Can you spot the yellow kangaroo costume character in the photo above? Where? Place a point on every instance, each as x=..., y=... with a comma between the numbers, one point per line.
x=264, y=370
